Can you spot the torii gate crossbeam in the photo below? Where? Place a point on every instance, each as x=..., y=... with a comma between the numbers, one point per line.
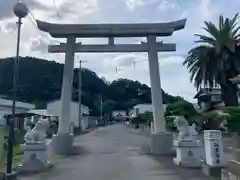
x=161, y=140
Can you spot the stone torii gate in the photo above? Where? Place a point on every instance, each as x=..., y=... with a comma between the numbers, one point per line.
x=161, y=141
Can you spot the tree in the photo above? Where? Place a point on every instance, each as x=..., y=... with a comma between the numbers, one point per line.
x=181, y=108
x=143, y=118
x=40, y=81
x=215, y=59
x=210, y=120
x=233, y=120
x=108, y=107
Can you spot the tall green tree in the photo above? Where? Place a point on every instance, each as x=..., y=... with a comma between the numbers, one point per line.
x=216, y=58
x=181, y=108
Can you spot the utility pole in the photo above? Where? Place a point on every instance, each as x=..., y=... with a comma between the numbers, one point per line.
x=101, y=109
x=80, y=93
x=118, y=69
x=134, y=63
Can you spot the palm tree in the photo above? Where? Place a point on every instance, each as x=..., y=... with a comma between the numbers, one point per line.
x=216, y=58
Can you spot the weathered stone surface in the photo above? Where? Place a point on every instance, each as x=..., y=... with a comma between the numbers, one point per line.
x=161, y=144
x=36, y=157
x=62, y=144
x=215, y=156
x=188, y=153
x=212, y=171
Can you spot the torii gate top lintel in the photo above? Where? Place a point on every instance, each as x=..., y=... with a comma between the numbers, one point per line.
x=111, y=30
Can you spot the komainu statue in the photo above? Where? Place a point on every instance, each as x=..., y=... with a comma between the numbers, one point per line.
x=37, y=134
x=186, y=132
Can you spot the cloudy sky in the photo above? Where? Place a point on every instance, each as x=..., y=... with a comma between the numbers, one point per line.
x=174, y=77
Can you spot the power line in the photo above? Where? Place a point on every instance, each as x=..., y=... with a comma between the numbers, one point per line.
x=34, y=22
x=56, y=7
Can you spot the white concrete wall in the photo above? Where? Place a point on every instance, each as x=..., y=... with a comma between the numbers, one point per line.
x=141, y=108
x=85, y=123
x=54, y=109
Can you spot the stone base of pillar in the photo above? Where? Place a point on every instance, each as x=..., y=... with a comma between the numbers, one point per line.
x=62, y=144
x=212, y=171
x=162, y=144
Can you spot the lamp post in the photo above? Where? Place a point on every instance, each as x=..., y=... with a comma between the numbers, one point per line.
x=21, y=11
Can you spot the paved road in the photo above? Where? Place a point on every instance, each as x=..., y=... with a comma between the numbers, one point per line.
x=114, y=153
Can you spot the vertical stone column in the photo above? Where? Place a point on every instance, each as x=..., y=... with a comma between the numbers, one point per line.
x=215, y=158
x=66, y=95
x=161, y=141
x=214, y=148
x=63, y=141
x=156, y=91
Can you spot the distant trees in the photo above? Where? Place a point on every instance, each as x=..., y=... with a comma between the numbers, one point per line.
x=40, y=82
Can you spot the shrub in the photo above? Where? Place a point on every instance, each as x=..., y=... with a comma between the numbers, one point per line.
x=233, y=119
x=139, y=120
x=53, y=128
x=210, y=120
x=170, y=123
x=181, y=108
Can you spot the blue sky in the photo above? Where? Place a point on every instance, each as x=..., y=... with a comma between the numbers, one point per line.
x=174, y=77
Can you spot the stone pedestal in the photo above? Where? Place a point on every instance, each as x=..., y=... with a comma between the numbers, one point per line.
x=62, y=144
x=10, y=176
x=188, y=153
x=36, y=157
x=215, y=158
x=161, y=144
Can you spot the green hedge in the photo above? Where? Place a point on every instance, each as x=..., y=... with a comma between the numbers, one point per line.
x=233, y=120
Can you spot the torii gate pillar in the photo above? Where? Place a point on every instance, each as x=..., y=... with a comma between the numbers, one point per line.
x=62, y=142
x=161, y=140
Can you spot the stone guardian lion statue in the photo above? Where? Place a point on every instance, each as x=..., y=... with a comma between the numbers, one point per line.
x=186, y=132
x=37, y=134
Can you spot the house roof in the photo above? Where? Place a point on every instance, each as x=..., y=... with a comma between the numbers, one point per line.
x=7, y=102
x=75, y=102
x=141, y=105
x=147, y=105
x=207, y=91
x=41, y=112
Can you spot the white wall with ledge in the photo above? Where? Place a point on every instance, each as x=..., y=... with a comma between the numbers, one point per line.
x=54, y=109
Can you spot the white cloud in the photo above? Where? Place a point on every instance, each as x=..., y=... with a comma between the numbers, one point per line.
x=167, y=5
x=132, y=4
x=207, y=9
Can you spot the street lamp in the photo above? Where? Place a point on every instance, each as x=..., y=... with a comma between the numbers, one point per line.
x=21, y=11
